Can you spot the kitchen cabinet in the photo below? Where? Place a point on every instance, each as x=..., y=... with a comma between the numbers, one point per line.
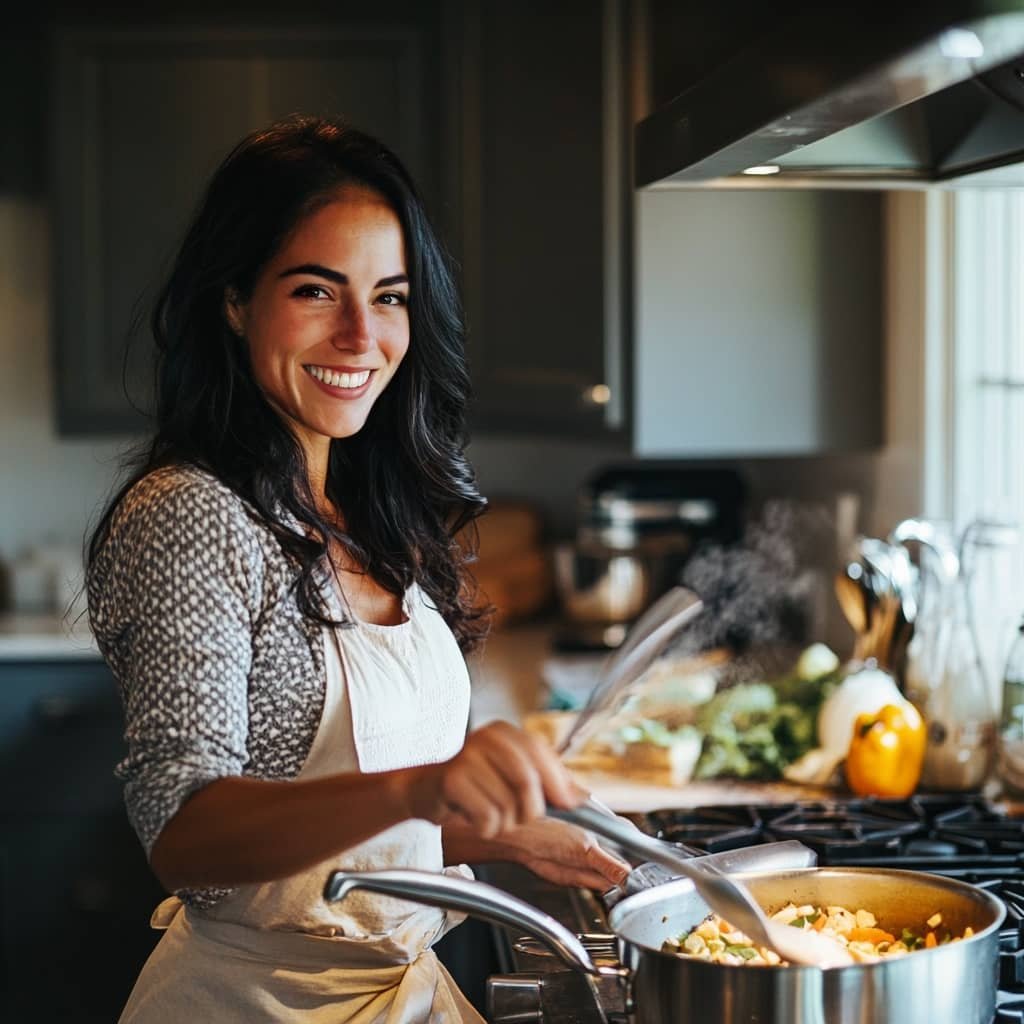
x=544, y=131
x=75, y=890
x=511, y=117
x=716, y=324
x=668, y=324
x=758, y=322
x=143, y=115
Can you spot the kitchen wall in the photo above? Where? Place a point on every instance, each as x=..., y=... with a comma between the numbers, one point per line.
x=52, y=487
x=49, y=486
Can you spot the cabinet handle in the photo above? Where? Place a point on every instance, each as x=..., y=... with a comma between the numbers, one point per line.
x=598, y=394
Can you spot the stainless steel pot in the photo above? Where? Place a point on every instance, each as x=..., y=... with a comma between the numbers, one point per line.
x=954, y=982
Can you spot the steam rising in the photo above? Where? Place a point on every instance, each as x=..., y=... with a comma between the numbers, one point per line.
x=757, y=593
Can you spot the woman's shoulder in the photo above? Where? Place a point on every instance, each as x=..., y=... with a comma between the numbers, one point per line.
x=180, y=493
x=182, y=505
x=181, y=483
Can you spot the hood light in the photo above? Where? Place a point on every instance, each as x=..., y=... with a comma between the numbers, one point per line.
x=960, y=42
x=762, y=169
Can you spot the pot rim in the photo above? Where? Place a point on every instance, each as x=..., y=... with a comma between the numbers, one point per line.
x=643, y=902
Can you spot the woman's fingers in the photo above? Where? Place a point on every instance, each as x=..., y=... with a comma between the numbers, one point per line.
x=567, y=855
x=477, y=791
x=504, y=777
x=512, y=755
x=613, y=868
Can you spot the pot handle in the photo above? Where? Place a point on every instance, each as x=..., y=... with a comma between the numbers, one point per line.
x=476, y=898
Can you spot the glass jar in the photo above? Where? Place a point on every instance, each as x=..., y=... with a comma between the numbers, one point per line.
x=1011, y=724
x=946, y=682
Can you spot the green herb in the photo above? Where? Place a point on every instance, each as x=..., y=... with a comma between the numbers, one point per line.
x=747, y=952
x=801, y=922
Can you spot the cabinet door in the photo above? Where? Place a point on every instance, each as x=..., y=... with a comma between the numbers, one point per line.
x=545, y=215
x=76, y=896
x=142, y=119
x=76, y=892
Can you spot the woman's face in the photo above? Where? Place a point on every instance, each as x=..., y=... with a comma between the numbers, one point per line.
x=327, y=323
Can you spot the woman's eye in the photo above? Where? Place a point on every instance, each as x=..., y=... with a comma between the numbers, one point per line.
x=311, y=291
x=393, y=299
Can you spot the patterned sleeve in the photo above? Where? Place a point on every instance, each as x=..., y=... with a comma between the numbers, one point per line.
x=172, y=598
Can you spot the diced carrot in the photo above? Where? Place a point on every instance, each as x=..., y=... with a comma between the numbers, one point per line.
x=724, y=927
x=870, y=935
x=930, y=942
x=819, y=922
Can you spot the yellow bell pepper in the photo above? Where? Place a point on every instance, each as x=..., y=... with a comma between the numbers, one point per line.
x=886, y=752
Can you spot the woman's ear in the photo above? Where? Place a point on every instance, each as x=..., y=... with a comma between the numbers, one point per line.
x=234, y=311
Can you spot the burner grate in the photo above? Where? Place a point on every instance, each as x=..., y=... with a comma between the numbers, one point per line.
x=712, y=829
x=1010, y=1012
x=957, y=836
x=836, y=831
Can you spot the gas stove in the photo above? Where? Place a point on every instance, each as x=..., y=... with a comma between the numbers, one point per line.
x=958, y=836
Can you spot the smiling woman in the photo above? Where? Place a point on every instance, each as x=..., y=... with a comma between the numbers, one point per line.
x=280, y=594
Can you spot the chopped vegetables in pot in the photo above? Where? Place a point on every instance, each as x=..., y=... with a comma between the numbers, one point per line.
x=716, y=940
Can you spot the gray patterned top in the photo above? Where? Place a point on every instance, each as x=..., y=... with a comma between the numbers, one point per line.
x=193, y=607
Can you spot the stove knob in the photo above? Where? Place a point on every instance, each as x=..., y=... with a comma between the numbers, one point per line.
x=514, y=998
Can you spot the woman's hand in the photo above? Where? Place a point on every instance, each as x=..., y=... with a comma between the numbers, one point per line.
x=501, y=779
x=564, y=854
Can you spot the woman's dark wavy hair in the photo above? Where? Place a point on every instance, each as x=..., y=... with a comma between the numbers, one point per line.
x=402, y=483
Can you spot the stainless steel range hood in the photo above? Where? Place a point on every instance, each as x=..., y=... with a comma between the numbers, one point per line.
x=852, y=97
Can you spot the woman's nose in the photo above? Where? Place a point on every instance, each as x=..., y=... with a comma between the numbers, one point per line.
x=353, y=331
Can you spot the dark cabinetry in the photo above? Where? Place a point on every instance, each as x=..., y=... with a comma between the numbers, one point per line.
x=756, y=326
x=75, y=890
x=547, y=202
x=142, y=117
x=511, y=117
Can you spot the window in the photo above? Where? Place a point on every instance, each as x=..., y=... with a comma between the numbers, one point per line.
x=985, y=400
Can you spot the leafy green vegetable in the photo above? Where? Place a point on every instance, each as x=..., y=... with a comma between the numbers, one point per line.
x=754, y=730
x=649, y=730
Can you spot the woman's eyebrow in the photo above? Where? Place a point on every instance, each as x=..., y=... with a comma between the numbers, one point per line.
x=319, y=270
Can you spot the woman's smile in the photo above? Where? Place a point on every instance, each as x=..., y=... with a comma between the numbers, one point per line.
x=338, y=381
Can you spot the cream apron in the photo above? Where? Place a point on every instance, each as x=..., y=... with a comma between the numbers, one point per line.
x=396, y=696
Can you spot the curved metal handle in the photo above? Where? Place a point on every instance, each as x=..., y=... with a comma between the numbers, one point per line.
x=476, y=898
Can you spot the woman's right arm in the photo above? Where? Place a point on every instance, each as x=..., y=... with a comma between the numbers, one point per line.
x=236, y=831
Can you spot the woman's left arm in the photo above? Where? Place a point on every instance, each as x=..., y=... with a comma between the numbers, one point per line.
x=555, y=850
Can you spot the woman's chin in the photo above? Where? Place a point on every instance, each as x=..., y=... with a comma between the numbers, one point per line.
x=339, y=429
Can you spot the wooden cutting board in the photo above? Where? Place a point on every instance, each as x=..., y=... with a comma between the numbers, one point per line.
x=632, y=795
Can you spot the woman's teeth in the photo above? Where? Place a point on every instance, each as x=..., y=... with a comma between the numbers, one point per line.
x=339, y=380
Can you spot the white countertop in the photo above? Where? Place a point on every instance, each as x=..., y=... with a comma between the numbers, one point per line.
x=44, y=637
